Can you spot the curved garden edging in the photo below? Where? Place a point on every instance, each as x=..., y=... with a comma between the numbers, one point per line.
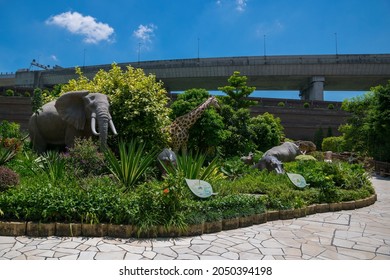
x=128, y=231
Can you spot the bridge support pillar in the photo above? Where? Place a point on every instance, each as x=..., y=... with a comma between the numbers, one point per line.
x=314, y=90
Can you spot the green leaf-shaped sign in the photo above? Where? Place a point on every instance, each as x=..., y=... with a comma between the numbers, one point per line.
x=200, y=188
x=297, y=179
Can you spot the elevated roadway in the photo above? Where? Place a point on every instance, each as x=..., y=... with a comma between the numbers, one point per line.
x=309, y=74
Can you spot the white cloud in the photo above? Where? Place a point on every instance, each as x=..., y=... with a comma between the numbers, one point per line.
x=269, y=28
x=87, y=26
x=241, y=5
x=145, y=33
x=54, y=57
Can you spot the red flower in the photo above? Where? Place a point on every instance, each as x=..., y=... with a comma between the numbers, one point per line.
x=166, y=191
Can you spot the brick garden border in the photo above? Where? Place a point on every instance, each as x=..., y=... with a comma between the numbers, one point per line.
x=129, y=231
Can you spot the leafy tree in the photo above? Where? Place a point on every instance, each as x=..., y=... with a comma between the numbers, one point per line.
x=37, y=101
x=318, y=137
x=138, y=102
x=246, y=133
x=266, y=131
x=237, y=91
x=368, y=128
x=208, y=132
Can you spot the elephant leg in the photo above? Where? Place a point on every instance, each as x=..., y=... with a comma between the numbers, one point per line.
x=70, y=135
x=39, y=143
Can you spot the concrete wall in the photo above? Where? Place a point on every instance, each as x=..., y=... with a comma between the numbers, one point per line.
x=16, y=109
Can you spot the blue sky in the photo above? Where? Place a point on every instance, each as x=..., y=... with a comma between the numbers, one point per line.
x=89, y=32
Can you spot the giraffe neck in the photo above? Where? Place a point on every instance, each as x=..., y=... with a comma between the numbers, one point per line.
x=195, y=114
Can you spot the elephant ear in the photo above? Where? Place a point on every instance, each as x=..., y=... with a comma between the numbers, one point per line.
x=71, y=108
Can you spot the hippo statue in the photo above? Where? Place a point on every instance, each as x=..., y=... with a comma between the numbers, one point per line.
x=270, y=163
x=285, y=152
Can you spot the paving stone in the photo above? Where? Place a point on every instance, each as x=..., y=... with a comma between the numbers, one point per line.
x=273, y=243
x=27, y=248
x=250, y=256
x=110, y=255
x=271, y=251
x=166, y=251
x=132, y=249
x=361, y=255
x=47, y=254
x=199, y=248
x=12, y=254
x=70, y=257
x=187, y=257
x=149, y=255
x=87, y=255
x=343, y=243
x=109, y=248
x=68, y=251
x=35, y=258
x=6, y=246
x=7, y=239
x=230, y=255
x=311, y=250
x=131, y=256
x=162, y=243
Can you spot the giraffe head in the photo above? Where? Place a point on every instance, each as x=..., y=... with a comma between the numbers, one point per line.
x=214, y=102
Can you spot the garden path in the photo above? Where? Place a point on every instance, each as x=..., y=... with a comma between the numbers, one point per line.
x=356, y=234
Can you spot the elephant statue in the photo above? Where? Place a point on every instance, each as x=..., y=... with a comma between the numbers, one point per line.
x=285, y=152
x=73, y=114
x=270, y=163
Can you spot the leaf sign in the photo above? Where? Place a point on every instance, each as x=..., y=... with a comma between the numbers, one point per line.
x=200, y=188
x=297, y=179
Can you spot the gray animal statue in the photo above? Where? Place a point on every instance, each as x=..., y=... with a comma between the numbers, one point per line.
x=247, y=159
x=74, y=114
x=168, y=158
x=285, y=152
x=270, y=163
x=306, y=146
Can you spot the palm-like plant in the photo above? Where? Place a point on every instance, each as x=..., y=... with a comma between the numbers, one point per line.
x=53, y=165
x=192, y=167
x=6, y=154
x=132, y=163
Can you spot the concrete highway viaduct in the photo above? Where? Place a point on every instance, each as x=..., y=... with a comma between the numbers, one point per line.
x=308, y=74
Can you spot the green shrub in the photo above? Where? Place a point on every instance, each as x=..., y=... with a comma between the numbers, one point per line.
x=306, y=105
x=9, y=130
x=330, y=106
x=266, y=131
x=305, y=157
x=281, y=104
x=84, y=158
x=9, y=92
x=335, y=144
x=8, y=178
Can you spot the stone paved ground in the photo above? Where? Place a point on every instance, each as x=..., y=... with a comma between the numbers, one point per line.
x=357, y=234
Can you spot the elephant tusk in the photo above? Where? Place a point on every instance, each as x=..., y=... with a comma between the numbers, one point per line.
x=112, y=126
x=93, y=124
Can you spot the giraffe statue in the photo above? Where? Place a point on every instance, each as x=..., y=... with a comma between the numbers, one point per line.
x=179, y=129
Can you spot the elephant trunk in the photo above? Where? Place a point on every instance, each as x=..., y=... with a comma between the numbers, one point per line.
x=104, y=120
